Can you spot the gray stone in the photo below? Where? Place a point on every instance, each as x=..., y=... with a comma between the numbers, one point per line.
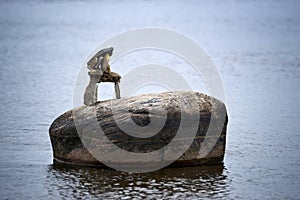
x=68, y=147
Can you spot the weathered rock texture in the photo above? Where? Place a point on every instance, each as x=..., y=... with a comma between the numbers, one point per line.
x=68, y=147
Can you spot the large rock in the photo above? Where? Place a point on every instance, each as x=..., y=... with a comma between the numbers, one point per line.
x=180, y=110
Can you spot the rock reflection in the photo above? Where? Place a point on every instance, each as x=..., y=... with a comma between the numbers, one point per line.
x=69, y=182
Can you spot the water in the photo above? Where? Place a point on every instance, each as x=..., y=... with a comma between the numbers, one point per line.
x=254, y=44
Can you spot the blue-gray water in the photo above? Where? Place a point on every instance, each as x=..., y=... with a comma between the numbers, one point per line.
x=255, y=45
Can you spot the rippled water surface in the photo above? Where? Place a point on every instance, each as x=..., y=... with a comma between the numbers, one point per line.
x=254, y=44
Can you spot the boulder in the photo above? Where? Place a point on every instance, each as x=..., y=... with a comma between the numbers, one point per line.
x=80, y=135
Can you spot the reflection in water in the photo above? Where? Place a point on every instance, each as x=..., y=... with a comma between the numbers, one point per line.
x=86, y=182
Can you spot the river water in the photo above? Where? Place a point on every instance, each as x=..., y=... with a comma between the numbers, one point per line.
x=254, y=44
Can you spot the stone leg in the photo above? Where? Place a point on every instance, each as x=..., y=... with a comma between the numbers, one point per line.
x=117, y=90
x=90, y=94
x=91, y=91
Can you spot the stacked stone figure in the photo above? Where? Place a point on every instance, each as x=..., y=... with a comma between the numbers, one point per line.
x=99, y=71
